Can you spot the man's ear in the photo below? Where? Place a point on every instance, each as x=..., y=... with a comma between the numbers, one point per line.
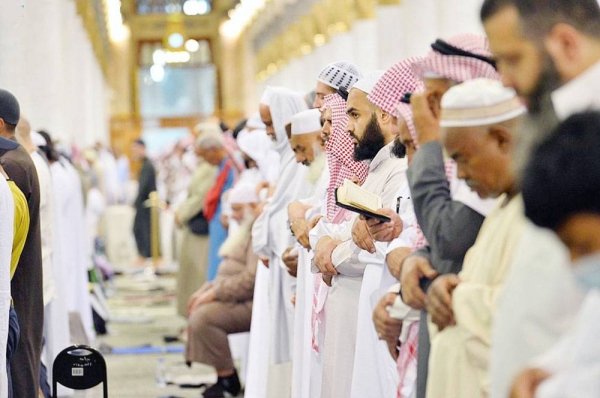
x=502, y=136
x=564, y=45
x=384, y=117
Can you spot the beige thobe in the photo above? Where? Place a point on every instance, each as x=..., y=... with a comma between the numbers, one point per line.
x=194, y=248
x=458, y=363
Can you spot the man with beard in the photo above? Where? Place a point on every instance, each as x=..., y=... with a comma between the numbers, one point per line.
x=269, y=367
x=341, y=165
x=340, y=74
x=549, y=51
x=338, y=256
x=309, y=149
x=375, y=374
x=448, y=212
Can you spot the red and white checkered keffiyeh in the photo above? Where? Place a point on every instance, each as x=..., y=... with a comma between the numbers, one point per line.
x=395, y=82
x=340, y=154
x=459, y=68
x=407, y=362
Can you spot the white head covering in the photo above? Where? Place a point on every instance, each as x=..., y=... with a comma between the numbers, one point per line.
x=255, y=122
x=367, y=83
x=37, y=139
x=306, y=122
x=284, y=104
x=479, y=102
x=266, y=97
x=255, y=144
x=340, y=74
x=243, y=193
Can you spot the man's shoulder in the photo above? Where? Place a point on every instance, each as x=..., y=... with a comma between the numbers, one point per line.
x=18, y=156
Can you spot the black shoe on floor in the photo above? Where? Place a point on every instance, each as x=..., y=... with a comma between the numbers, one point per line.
x=224, y=387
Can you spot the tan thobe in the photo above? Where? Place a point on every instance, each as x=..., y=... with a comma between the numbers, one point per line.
x=458, y=363
x=194, y=248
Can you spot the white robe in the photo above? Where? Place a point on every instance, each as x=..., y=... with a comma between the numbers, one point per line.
x=46, y=223
x=7, y=217
x=375, y=373
x=270, y=238
x=282, y=285
x=539, y=304
x=541, y=299
x=56, y=317
x=575, y=361
x=307, y=365
x=346, y=299
x=257, y=373
x=72, y=240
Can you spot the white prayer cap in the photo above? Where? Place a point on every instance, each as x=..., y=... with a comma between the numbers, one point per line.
x=37, y=139
x=256, y=144
x=306, y=122
x=367, y=83
x=340, y=74
x=266, y=96
x=479, y=102
x=255, y=122
x=243, y=193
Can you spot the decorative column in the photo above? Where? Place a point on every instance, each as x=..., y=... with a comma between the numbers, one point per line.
x=458, y=17
x=13, y=23
x=390, y=32
x=420, y=26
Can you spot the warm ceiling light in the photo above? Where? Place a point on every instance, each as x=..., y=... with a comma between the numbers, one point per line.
x=319, y=40
x=117, y=30
x=192, y=45
x=190, y=7
x=203, y=7
x=159, y=57
x=196, y=7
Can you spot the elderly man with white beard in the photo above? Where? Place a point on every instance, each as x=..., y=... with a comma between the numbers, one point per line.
x=337, y=255
x=272, y=318
x=309, y=149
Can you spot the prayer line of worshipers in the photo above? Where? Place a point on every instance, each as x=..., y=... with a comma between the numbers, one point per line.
x=484, y=152
x=469, y=290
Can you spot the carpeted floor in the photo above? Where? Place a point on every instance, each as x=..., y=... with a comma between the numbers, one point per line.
x=143, y=311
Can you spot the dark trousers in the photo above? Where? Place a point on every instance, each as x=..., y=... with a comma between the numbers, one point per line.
x=11, y=346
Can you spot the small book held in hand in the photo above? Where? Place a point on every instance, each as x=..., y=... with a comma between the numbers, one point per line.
x=354, y=198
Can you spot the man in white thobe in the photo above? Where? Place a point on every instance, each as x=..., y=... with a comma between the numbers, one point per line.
x=269, y=369
x=337, y=255
x=375, y=374
x=309, y=150
x=71, y=254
